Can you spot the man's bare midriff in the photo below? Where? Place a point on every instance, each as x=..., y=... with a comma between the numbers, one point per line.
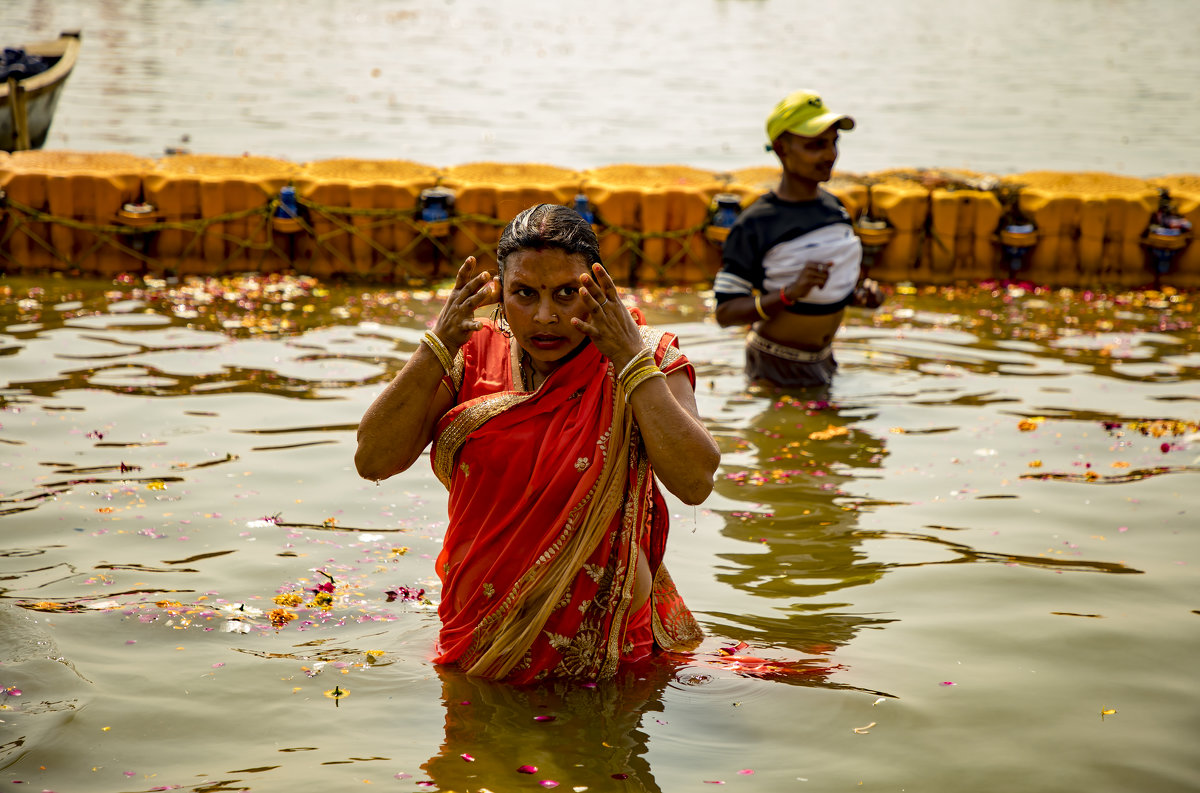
x=810, y=332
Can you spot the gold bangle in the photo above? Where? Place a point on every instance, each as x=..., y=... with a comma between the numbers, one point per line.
x=439, y=350
x=629, y=376
x=643, y=378
x=641, y=354
x=758, y=307
x=638, y=374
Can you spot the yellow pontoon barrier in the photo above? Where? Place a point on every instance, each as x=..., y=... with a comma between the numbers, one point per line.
x=400, y=221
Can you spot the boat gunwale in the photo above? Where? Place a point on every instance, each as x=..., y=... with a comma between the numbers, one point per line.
x=65, y=48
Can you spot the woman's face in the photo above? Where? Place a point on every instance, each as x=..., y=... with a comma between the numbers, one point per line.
x=541, y=295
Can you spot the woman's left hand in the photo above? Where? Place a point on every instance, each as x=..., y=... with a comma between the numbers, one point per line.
x=610, y=326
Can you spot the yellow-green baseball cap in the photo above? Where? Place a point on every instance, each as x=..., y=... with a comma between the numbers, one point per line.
x=803, y=113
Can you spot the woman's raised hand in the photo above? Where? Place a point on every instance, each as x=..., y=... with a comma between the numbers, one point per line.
x=474, y=287
x=610, y=325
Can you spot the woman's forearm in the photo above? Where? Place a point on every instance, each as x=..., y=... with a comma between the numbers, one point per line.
x=399, y=423
x=682, y=452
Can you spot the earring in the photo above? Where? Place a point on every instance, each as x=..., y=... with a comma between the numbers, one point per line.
x=500, y=321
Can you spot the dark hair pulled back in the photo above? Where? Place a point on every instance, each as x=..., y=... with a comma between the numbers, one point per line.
x=547, y=226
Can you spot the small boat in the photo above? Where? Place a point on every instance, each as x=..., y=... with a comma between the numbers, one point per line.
x=27, y=104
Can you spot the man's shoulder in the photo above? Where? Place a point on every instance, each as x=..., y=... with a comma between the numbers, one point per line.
x=769, y=206
x=762, y=206
x=774, y=219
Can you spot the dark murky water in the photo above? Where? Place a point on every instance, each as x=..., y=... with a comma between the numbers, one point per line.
x=972, y=563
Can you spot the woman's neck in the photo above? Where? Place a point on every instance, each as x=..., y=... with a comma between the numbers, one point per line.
x=536, y=372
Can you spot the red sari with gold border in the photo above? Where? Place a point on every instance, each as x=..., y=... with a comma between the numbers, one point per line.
x=552, y=501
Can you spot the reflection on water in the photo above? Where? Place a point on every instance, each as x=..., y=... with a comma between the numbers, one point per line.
x=982, y=529
x=496, y=733
x=800, y=524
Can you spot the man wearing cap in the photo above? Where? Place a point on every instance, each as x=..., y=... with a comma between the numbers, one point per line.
x=792, y=261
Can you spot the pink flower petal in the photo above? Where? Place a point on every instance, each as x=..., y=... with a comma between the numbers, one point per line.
x=714, y=782
x=544, y=718
x=548, y=783
x=947, y=683
x=620, y=776
x=746, y=772
x=527, y=769
x=467, y=757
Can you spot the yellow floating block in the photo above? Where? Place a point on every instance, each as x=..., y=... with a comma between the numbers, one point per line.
x=371, y=242
x=904, y=204
x=962, y=238
x=86, y=187
x=851, y=190
x=233, y=195
x=750, y=183
x=666, y=206
x=490, y=194
x=1089, y=224
x=1184, y=188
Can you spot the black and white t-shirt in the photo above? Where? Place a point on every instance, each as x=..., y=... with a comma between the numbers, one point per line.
x=773, y=239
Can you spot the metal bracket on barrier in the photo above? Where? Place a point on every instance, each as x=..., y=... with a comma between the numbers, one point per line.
x=725, y=209
x=436, y=206
x=137, y=214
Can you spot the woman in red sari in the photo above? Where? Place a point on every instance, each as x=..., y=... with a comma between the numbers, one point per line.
x=550, y=427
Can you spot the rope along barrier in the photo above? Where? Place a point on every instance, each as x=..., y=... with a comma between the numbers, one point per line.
x=131, y=240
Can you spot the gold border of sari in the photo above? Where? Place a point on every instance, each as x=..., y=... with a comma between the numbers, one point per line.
x=505, y=635
x=503, y=638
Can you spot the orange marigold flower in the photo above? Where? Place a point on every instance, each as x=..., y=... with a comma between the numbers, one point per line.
x=289, y=599
x=280, y=617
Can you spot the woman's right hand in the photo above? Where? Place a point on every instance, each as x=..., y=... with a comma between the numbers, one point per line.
x=473, y=288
